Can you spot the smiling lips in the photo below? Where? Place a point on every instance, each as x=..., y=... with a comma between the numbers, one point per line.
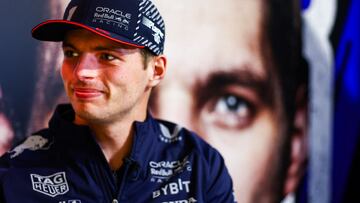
x=87, y=93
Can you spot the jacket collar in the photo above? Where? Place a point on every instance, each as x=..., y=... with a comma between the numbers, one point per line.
x=61, y=124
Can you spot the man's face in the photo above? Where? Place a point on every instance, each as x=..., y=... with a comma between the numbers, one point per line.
x=218, y=85
x=104, y=80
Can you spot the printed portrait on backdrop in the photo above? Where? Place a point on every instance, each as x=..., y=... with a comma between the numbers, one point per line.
x=235, y=76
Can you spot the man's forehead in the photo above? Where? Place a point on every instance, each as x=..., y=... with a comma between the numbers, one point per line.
x=82, y=37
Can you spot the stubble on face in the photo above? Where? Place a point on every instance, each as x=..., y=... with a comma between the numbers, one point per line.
x=105, y=81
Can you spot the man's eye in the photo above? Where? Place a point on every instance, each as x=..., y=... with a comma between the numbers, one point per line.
x=70, y=53
x=107, y=57
x=230, y=112
x=231, y=104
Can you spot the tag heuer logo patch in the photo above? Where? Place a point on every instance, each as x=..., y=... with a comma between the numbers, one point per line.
x=51, y=185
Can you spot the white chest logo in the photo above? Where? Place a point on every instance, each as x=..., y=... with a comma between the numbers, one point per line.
x=167, y=136
x=32, y=143
x=51, y=185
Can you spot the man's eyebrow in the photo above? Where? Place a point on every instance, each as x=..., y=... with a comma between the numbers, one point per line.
x=67, y=44
x=97, y=48
x=108, y=48
x=117, y=48
x=217, y=81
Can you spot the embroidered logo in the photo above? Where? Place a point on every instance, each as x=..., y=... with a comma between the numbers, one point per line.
x=74, y=201
x=158, y=34
x=168, y=137
x=51, y=185
x=163, y=170
x=173, y=188
x=32, y=143
x=190, y=200
x=71, y=201
x=113, y=17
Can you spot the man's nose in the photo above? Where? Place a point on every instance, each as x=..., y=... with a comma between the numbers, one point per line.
x=86, y=67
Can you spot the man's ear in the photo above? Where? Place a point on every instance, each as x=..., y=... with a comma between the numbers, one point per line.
x=158, y=70
x=299, y=144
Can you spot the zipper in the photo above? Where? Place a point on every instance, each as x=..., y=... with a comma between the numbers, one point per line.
x=112, y=196
x=120, y=187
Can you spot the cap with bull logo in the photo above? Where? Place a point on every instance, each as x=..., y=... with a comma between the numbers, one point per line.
x=136, y=23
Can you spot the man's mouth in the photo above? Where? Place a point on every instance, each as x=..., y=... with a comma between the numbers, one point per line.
x=87, y=93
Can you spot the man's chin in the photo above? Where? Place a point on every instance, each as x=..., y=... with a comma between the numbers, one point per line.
x=86, y=118
x=88, y=113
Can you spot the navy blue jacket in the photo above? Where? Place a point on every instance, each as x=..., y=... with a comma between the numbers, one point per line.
x=64, y=164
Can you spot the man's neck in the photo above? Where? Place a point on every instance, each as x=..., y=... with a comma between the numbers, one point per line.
x=115, y=139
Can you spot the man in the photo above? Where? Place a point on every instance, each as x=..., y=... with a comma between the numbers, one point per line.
x=236, y=79
x=105, y=146
x=208, y=90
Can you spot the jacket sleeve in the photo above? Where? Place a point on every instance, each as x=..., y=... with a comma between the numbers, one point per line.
x=220, y=186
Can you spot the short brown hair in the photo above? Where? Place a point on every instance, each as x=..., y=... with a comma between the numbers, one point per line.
x=147, y=55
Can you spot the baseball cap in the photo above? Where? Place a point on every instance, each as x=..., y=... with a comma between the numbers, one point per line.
x=136, y=23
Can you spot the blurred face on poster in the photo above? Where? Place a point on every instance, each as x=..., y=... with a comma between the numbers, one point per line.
x=6, y=131
x=6, y=134
x=219, y=84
